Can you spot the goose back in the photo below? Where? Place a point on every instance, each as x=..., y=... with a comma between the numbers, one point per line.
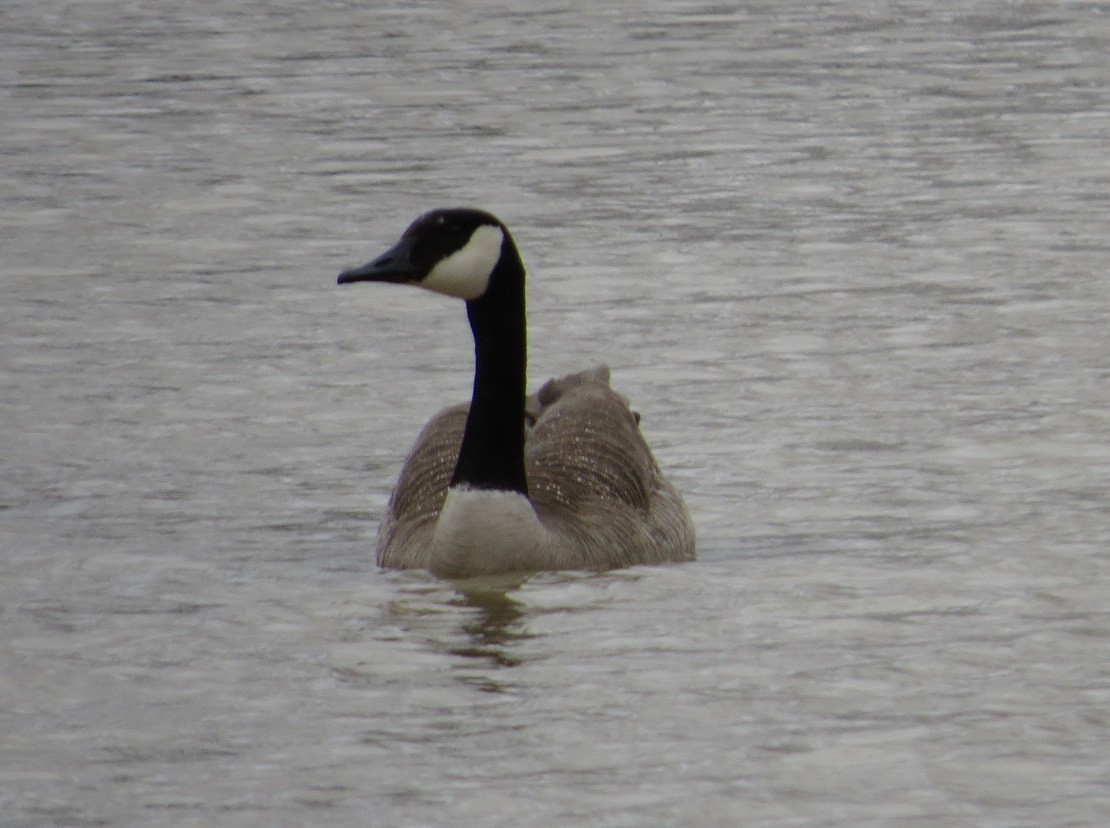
x=592, y=481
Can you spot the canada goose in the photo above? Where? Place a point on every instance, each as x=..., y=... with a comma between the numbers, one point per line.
x=563, y=480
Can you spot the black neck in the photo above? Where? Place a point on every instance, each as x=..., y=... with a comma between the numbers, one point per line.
x=492, y=452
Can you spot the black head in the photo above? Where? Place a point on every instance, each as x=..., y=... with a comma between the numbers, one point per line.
x=452, y=251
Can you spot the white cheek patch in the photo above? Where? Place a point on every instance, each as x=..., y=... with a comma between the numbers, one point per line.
x=465, y=273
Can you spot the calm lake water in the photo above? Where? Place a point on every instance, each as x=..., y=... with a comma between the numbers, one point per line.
x=849, y=261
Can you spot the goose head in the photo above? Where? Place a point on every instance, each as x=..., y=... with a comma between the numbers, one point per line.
x=453, y=252
x=470, y=255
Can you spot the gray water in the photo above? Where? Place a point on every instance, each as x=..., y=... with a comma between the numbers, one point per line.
x=847, y=259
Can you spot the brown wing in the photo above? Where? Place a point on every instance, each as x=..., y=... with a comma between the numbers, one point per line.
x=406, y=531
x=593, y=479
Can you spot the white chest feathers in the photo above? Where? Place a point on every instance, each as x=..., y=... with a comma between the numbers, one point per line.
x=481, y=532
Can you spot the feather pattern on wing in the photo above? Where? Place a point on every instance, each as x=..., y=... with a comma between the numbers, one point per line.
x=592, y=481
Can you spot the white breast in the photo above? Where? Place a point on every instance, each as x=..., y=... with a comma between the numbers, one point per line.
x=485, y=532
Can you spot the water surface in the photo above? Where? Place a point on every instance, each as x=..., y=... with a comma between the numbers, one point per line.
x=848, y=260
